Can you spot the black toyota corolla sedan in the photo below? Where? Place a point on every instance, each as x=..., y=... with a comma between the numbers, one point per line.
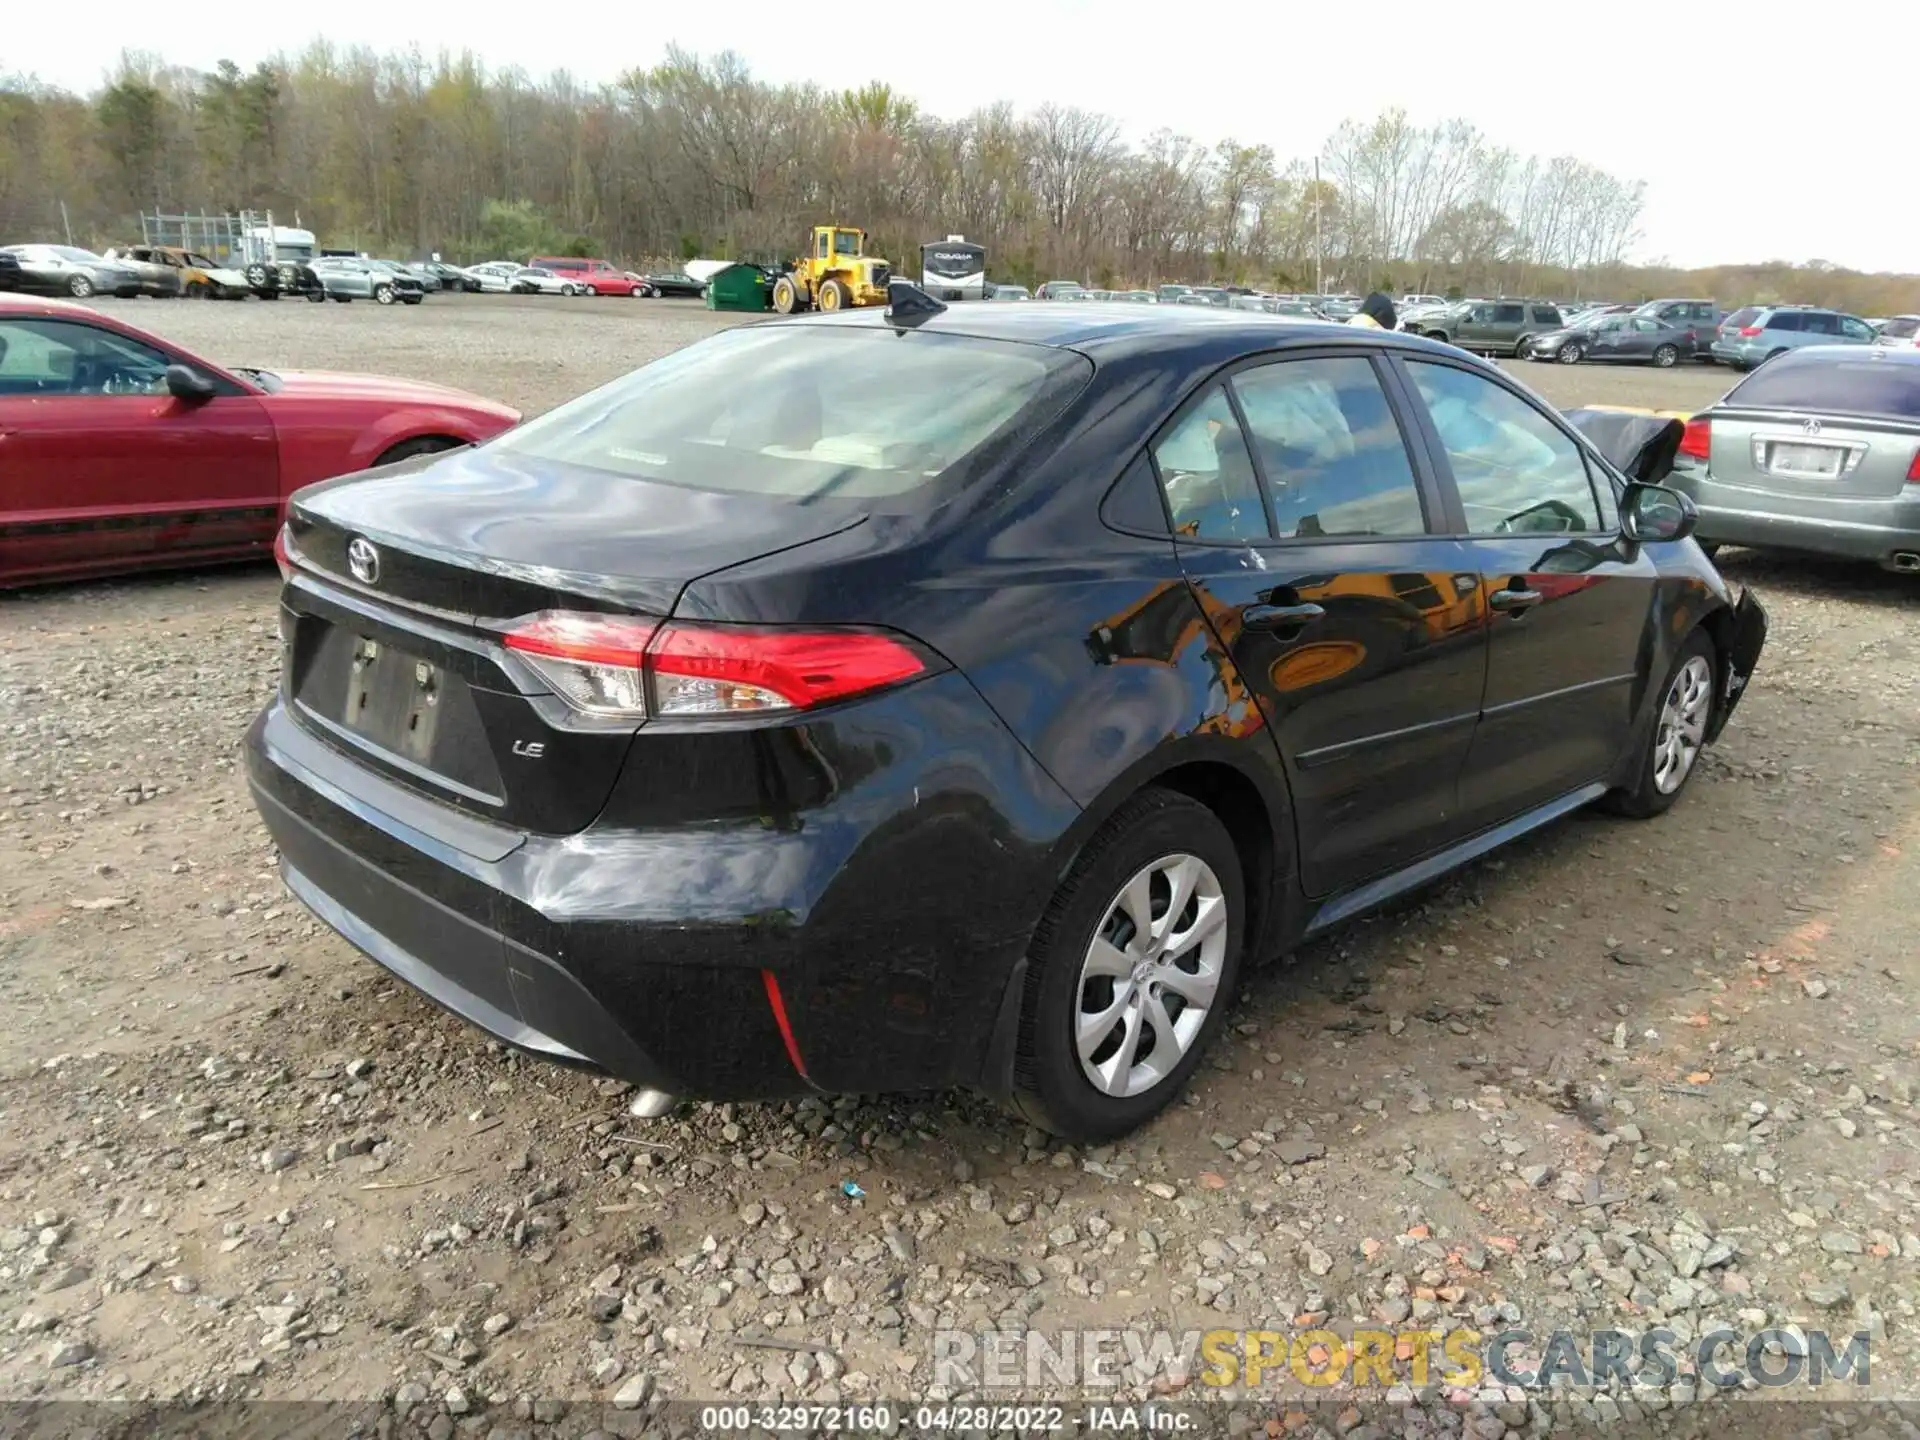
x=919, y=697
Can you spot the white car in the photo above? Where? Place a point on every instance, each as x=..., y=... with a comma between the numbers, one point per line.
x=495, y=276
x=531, y=279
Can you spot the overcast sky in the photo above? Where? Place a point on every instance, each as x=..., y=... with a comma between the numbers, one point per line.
x=1759, y=137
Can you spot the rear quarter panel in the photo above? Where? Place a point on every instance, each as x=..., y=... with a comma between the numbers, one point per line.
x=322, y=437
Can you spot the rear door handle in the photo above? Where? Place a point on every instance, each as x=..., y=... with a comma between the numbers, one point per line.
x=1515, y=602
x=1280, y=617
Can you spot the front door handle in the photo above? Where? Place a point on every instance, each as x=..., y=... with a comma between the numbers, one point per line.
x=1280, y=617
x=1515, y=602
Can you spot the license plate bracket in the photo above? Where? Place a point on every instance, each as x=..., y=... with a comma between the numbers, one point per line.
x=1806, y=462
x=393, y=699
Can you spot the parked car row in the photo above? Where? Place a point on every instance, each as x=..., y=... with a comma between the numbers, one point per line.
x=166, y=271
x=159, y=271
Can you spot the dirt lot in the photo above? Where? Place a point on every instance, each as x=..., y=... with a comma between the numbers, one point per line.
x=1622, y=1075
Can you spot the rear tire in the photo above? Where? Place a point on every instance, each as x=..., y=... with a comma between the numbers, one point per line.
x=316, y=297
x=1670, y=753
x=1665, y=357
x=419, y=445
x=1107, y=994
x=1776, y=354
x=786, y=296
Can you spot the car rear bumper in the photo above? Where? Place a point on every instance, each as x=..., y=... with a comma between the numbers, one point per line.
x=1875, y=529
x=870, y=947
x=1736, y=354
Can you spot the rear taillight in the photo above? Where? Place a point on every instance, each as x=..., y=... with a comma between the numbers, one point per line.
x=615, y=666
x=1747, y=332
x=596, y=663
x=1697, y=441
x=1913, y=470
x=281, y=557
x=715, y=670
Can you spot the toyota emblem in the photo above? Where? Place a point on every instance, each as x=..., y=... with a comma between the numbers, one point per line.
x=363, y=560
x=1812, y=427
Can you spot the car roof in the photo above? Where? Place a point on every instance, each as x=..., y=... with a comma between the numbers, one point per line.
x=1113, y=333
x=1862, y=354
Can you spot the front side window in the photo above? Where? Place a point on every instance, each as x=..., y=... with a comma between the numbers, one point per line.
x=59, y=357
x=1515, y=470
x=834, y=414
x=1331, y=451
x=1208, y=476
x=1855, y=329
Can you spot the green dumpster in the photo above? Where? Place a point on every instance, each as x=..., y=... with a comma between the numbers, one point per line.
x=739, y=287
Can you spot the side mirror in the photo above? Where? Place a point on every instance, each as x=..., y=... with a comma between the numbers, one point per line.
x=1654, y=512
x=188, y=385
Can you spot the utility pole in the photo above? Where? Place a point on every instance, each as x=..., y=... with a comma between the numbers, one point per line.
x=1319, y=263
x=66, y=224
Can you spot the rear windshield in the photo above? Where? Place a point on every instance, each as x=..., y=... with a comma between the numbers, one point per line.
x=1832, y=387
x=807, y=412
x=1743, y=316
x=1902, y=327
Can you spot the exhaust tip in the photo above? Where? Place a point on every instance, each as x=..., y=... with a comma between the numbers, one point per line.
x=1906, y=560
x=651, y=1104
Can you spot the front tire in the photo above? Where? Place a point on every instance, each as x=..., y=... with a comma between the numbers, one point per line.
x=79, y=286
x=1665, y=357
x=834, y=295
x=1671, y=751
x=1571, y=353
x=383, y=294
x=1131, y=970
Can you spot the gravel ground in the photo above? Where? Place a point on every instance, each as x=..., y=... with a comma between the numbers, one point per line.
x=1620, y=1076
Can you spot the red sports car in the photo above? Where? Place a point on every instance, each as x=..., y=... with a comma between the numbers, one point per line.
x=121, y=451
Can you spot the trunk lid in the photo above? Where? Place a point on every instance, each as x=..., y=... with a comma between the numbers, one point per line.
x=399, y=661
x=1829, y=458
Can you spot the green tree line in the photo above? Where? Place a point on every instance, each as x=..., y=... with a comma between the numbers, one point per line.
x=401, y=154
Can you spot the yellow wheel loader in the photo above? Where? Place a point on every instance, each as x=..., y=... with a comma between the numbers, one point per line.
x=837, y=274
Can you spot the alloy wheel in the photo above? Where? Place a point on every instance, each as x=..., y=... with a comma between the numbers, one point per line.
x=1569, y=353
x=1150, y=975
x=1683, y=724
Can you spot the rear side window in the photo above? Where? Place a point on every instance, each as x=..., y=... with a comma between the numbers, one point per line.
x=1508, y=314
x=1801, y=381
x=1516, y=471
x=1546, y=315
x=1330, y=448
x=810, y=413
x=1207, y=473
x=1785, y=320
